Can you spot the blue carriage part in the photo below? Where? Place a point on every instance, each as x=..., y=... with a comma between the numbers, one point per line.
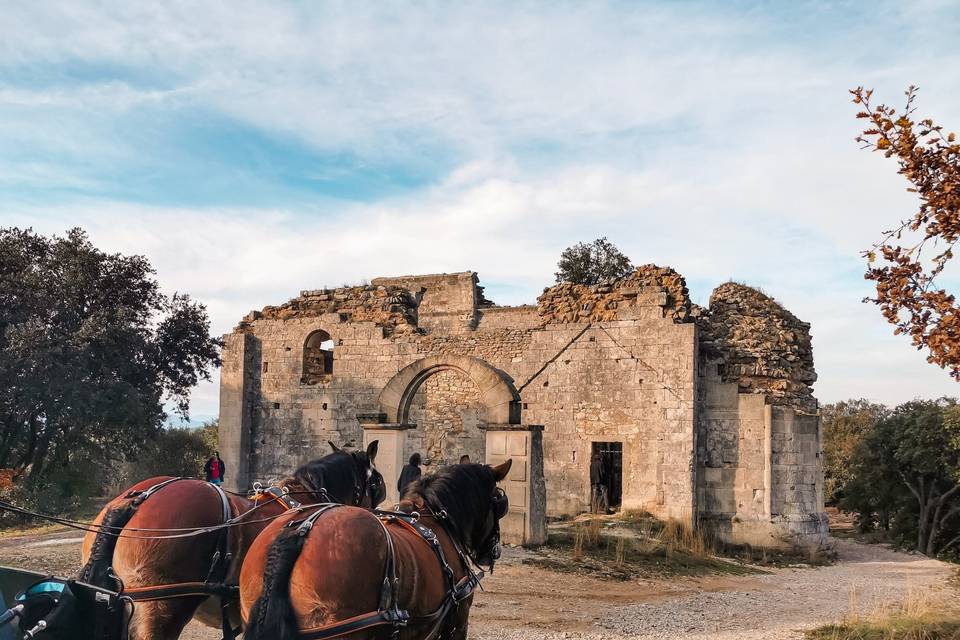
x=72, y=610
x=12, y=582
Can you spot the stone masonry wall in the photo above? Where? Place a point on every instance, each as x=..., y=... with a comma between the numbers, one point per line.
x=450, y=420
x=758, y=461
x=612, y=300
x=632, y=361
x=759, y=345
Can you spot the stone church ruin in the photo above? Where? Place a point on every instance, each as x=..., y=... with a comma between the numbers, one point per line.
x=702, y=415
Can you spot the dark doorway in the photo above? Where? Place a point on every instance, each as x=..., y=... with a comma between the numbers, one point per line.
x=611, y=457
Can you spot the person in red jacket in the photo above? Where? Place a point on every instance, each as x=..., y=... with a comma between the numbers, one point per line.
x=215, y=469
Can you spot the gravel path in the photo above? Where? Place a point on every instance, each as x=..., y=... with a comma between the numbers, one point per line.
x=867, y=579
x=525, y=602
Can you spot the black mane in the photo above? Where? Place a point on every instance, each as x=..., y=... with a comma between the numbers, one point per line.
x=462, y=490
x=337, y=473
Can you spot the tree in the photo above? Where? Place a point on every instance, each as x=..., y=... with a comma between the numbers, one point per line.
x=916, y=251
x=845, y=424
x=591, y=263
x=909, y=463
x=90, y=351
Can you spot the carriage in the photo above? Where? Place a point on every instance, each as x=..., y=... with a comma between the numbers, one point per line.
x=35, y=605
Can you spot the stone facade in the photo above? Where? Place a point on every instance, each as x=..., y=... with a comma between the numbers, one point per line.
x=710, y=410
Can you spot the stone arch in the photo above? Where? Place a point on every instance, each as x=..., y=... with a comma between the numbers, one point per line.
x=317, y=357
x=497, y=393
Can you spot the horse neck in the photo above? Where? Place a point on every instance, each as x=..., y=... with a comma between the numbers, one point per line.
x=456, y=531
x=308, y=495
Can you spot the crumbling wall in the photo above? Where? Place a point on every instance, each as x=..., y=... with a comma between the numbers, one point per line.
x=390, y=307
x=756, y=343
x=446, y=302
x=759, y=470
x=567, y=302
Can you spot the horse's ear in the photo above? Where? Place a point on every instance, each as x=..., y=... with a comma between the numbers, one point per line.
x=333, y=446
x=372, y=450
x=501, y=470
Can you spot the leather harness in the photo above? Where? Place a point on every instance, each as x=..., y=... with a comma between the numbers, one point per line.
x=388, y=612
x=215, y=583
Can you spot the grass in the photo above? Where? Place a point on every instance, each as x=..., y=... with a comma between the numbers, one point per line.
x=918, y=618
x=628, y=549
x=702, y=543
x=899, y=627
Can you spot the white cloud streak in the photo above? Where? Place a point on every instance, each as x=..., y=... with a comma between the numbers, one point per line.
x=718, y=142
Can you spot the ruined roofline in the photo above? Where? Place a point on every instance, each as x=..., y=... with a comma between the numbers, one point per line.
x=421, y=276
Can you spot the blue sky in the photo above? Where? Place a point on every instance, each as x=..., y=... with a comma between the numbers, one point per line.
x=251, y=150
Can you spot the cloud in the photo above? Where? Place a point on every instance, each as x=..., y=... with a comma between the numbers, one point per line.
x=251, y=150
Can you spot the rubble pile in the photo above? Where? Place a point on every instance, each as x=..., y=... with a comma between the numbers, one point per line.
x=568, y=302
x=759, y=345
x=393, y=308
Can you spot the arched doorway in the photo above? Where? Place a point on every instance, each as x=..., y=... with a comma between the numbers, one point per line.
x=450, y=419
x=452, y=400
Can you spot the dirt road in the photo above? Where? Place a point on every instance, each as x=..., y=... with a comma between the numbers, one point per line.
x=521, y=601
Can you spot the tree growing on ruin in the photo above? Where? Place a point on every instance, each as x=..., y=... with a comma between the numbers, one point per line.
x=591, y=263
x=906, y=262
x=91, y=352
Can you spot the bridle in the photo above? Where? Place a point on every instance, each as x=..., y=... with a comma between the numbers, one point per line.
x=370, y=484
x=490, y=548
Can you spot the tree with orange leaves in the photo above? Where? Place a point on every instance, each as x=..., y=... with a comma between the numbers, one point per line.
x=907, y=261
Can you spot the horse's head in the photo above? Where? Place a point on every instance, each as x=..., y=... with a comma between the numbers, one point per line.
x=347, y=477
x=371, y=489
x=468, y=497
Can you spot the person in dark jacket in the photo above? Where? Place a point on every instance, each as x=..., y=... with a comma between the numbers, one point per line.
x=598, y=485
x=215, y=469
x=409, y=474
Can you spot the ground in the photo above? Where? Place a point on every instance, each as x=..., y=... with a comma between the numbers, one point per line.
x=523, y=601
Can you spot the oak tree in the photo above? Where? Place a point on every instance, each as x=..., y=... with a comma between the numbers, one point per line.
x=91, y=352
x=591, y=263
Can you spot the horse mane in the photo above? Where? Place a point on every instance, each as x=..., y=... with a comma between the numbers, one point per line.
x=335, y=472
x=462, y=490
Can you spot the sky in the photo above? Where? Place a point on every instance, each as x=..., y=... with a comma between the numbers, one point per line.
x=252, y=150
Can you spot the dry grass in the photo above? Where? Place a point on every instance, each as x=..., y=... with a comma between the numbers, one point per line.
x=605, y=547
x=917, y=618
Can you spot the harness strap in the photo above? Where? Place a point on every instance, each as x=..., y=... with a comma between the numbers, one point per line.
x=99, y=566
x=140, y=496
x=389, y=612
x=279, y=496
x=180, y=590
x=220, y=566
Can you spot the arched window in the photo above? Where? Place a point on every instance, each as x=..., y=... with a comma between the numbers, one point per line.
x=317, y=358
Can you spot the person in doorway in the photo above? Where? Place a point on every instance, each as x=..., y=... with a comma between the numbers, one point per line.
x=409, y=474
x=215, y=469
x=464, y=459
x=598, y=485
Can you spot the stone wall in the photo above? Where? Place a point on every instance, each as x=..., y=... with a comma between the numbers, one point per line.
x=689, y=393
x=758, y=344
x=759, y=469
x=390, y=307
x=615, y=299
x=450, y=420
x=446, y=302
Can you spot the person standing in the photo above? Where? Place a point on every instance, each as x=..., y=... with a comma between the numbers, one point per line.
x=215, y=469
x=598, y=485
x=464, y=459
x=409, y=474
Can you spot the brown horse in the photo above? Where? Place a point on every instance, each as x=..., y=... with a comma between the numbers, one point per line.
x=147, y=555
x=367, y=574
